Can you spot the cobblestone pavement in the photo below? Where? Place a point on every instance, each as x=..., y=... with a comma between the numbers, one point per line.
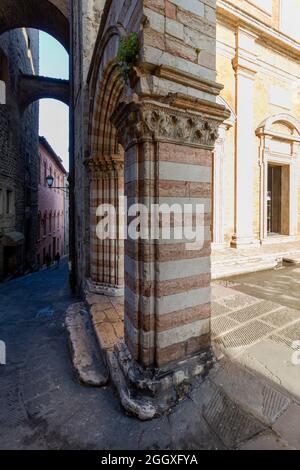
x=42, y=405
x=256, y=321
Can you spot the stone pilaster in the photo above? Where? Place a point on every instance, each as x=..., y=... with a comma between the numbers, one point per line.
x=245, y=68
x=218, y=190
x=107, y=255
x=168, y=157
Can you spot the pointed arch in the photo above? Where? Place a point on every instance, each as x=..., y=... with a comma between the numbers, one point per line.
x=105, y=89
x=103, y=134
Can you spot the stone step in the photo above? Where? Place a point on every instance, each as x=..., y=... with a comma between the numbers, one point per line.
x=85, y=351
x=241, y=260
x=228, y=270
x=292, y=258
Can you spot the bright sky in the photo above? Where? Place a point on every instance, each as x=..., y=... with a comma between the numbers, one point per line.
x=54, y=115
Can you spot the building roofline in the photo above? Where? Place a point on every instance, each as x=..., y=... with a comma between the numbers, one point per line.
x=44, y=143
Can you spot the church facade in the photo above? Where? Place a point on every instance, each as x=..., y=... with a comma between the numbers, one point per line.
x=256, y=159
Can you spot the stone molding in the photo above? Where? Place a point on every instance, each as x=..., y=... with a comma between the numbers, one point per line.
x=151, y=121
x=234, y=15
x=178, y=76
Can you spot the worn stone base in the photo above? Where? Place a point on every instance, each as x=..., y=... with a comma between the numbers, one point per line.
x=144, y=393
x=149, y=393
x=104, y=289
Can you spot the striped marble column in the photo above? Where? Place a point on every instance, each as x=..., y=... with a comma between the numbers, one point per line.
x=106, y=255
x=168, y=160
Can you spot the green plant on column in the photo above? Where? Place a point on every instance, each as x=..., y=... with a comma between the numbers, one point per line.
x=127, y=56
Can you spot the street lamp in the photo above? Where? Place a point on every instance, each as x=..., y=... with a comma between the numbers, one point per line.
x=50, y=181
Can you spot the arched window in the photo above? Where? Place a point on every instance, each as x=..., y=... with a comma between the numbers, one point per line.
x=45, y=224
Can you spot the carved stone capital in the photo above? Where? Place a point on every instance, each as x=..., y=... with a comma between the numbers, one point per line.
x=105, y=166
x=148, y=121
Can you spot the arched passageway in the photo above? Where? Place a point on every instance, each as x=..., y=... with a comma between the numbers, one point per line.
x=21, y=87
x=32, y=88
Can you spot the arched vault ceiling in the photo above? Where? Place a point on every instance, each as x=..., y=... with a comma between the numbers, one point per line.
x=46, y=15
x=62, y=5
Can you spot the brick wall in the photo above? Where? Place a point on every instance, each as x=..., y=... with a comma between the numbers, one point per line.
x=18, y=142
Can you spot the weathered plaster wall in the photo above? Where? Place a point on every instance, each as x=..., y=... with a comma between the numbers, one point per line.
x=276, y=90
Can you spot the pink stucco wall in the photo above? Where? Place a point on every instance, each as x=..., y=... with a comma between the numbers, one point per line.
x=50, y=204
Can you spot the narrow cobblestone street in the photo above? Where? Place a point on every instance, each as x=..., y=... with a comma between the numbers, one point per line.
x=42, y=404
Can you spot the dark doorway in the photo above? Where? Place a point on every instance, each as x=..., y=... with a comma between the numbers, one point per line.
x=278, y=199
x=274, y=199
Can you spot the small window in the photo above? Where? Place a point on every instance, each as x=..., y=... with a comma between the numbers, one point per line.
x=9, y=201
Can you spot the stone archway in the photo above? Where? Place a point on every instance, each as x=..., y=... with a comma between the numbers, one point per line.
x=46, y=15
x=33, y=88
x=106, y=163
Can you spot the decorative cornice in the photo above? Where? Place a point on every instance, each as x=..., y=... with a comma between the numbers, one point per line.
x=183, y=78
x=104, y=165
x=237, y=16
x=150, y=121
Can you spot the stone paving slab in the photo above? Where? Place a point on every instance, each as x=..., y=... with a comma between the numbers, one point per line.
x=288, y=426
x=107, y=316
x=273, y=360
x=263, y=339
x=229, y=420
x=254, y=393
